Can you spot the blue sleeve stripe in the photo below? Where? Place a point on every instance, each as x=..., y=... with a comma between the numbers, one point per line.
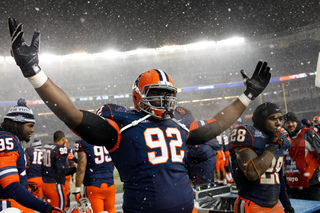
x=7, y=171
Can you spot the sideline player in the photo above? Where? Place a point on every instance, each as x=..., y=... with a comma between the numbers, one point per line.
x=55, y=168
x=148, y=144
x=17, y=126
x=257, y=158
x=34, y=164
x=95, y=171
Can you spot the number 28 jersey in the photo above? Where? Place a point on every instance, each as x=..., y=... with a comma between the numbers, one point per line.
x=264, y=191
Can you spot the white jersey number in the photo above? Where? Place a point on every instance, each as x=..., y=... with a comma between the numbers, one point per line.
x=156, y=138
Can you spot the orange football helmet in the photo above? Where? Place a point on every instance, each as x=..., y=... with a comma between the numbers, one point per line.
x=84, y=206
x=316, y=120
x=154, y=79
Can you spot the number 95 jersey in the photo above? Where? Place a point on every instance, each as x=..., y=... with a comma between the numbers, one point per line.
x=264, y=191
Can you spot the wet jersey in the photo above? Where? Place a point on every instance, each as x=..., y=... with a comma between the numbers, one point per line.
x=13, y=164
x=34, y=162
x=264, y=191
x=99, y=167
x=54, y=166
x=151, y=156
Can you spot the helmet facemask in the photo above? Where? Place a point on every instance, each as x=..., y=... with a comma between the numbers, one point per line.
x=159, y=105
x=155, y=94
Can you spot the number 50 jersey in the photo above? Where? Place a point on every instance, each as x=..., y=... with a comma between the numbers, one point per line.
x=264, y=191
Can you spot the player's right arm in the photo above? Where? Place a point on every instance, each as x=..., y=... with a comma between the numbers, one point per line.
x=91, y=127
x=81, y=170
x=252, y=165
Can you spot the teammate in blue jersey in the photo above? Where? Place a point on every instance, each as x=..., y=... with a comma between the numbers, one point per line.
x=201, y=162
x=148, y=144
x=257, y=158
x=95, y=171
x=55, y=168
x=17, y=126
x=34, y=164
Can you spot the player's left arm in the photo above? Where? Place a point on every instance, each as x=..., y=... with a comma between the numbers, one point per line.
x=227, y=116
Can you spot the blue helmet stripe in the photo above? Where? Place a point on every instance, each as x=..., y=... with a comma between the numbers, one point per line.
x=162, y=75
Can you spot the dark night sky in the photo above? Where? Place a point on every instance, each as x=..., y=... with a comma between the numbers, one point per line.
x=95, y=25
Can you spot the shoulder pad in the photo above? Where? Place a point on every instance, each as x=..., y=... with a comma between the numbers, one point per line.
x=182, y=111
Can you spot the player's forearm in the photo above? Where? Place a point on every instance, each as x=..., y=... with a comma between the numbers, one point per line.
x=230, y=114
x=60, y=104
x=259, y=165
x=79, y=178
x=24, y=197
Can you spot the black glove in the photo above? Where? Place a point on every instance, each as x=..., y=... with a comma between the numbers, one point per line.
x=25, y=56
x=52, y=209
x=279, y=136
x=259, y=80
x=289, y=210
x=32, y=187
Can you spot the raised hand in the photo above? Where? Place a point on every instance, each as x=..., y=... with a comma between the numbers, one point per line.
x=259, y=80
x=279, y=136
x=25, y=56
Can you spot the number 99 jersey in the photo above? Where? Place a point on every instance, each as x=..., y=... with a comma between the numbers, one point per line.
x=99, y=167
x=264, y=191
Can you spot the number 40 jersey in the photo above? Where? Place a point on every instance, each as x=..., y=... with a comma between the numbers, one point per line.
x=264, y=191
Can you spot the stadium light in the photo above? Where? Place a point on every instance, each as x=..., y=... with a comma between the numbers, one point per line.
x=231, y=41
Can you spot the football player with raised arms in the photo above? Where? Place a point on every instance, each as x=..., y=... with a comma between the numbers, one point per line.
x=148, y=144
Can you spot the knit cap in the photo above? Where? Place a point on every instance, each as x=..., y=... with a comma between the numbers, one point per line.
x=21, y=113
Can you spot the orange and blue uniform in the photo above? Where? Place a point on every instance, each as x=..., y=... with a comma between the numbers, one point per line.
x=54, y=170
x=13, y=179
x=98, y=179
x=263, y=194
x=34, y=174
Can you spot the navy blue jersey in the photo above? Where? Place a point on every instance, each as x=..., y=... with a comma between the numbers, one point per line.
x=99, y=167
x=264, y=191
x=201, y=161
x=151, y=156
x=55, y=166
x=34, y=161
x=11, y=170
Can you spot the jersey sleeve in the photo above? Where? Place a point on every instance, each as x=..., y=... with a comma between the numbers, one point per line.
x=241, y=137
x=8, y=169
x=9, y=156
x=78, y=146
